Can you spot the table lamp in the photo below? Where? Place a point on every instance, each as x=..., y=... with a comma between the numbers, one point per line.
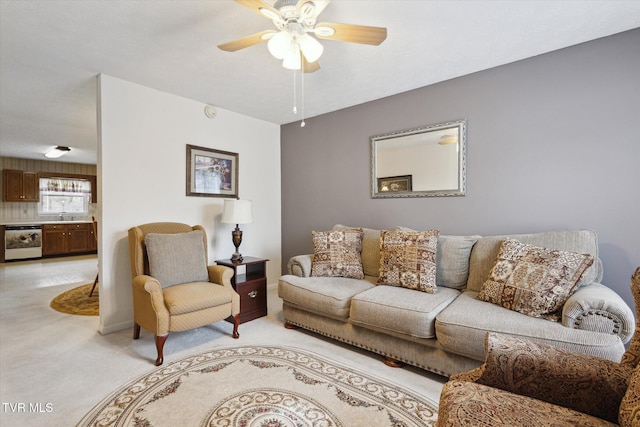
x=236, y=212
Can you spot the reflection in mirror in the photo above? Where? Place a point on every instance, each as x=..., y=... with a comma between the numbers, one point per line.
x=424, y=162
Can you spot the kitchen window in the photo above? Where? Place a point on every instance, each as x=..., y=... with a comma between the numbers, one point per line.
x=60, y=196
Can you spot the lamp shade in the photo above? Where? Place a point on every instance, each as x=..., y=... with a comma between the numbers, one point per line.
x=237, y=212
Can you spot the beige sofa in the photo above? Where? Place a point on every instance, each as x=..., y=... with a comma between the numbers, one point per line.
x=444, y=332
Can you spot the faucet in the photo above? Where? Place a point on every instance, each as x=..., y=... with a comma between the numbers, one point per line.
x=62, y=216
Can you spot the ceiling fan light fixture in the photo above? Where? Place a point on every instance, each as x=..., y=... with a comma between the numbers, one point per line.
x=280, y=44
x=310, y=47
x=292, y=61
x=448, y=139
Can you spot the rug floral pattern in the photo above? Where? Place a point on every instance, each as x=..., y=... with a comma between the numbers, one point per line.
x=260, y=387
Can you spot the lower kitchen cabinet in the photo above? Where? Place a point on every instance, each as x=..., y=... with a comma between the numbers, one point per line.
x=62, y=239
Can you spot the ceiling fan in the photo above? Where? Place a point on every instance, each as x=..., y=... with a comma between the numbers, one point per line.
x=295, y=20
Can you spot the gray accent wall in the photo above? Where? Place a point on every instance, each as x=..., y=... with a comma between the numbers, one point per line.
x=553, y=143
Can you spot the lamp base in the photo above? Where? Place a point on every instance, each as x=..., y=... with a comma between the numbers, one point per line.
x=237, y=240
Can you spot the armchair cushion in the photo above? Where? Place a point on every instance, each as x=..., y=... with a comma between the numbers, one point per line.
x=188, y=297
x=630, y=406
x=177, y=258
x=577, y=381
x=469, y=404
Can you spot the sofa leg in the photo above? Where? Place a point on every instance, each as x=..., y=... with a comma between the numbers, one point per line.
x=160, y=340
x=389, y=361
x=136, y=331
x=288, y=325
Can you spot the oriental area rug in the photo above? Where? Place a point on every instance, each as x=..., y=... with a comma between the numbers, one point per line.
x=77, y=301
x=261, y=387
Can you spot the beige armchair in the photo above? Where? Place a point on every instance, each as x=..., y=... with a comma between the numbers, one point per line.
x=173, y=288
x=523, y=383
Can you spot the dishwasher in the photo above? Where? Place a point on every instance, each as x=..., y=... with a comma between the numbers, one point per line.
x=22, y=242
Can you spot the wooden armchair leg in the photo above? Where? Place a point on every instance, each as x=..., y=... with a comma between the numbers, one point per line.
x=160, y=340
x=236, y=322
x=136, y=331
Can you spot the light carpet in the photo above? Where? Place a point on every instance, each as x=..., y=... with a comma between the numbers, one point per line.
x=261, y=386
x=77, y=301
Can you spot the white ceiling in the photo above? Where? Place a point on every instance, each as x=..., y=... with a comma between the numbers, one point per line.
x=52, y=50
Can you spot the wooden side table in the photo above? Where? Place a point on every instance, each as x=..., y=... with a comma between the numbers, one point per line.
x=250, y=285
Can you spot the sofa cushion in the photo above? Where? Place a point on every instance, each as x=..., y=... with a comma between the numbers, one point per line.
x=399, y=310
x=330, y=296
x=461, y=328
x=408, y=259
x=337, y=253
x=485, y=252
x=177, y=258
x=452, y=260
x=370, y=249
x=533, y=280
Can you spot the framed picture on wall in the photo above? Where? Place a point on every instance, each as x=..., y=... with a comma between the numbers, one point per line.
x=395, y=183
x=211, y=173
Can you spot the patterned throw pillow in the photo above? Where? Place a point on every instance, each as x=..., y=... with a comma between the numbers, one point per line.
x=337, y=253
x=533, y=280
x=408, y=259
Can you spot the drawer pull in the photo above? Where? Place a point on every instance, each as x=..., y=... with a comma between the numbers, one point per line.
x=253, y=294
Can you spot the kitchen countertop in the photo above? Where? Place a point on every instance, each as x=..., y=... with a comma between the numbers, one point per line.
x=38, y=222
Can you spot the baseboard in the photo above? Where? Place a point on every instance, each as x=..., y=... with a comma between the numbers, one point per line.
x=104, y=330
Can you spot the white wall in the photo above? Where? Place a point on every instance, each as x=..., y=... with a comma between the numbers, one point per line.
x=142, y=138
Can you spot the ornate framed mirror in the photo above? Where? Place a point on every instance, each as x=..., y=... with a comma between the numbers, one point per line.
x=425, y=162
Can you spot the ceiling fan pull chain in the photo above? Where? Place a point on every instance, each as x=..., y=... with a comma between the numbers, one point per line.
x=295, y=109
x=302, y=123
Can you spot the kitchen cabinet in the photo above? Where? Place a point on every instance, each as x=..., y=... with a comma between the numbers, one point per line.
x=19, y=186
x=54, y=239
x=63, y=239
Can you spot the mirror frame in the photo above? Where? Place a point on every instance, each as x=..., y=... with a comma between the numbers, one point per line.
x=460, y=125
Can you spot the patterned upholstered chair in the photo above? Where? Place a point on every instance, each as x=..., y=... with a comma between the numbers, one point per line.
x=523, y=383
x=173, y=288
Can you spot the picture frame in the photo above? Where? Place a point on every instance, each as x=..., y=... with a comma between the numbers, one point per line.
x=211, y=173
x=395, y=184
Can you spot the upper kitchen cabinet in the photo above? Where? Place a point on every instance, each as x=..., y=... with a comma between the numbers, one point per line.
x=19, y=186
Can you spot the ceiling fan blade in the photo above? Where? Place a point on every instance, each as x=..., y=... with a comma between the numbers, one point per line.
x=246, y=41
x=310, y=67
x=352, y=33
x=256, y=5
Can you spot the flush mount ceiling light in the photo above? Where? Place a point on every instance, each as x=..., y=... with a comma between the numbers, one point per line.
x=56, y=152
x=295, y=20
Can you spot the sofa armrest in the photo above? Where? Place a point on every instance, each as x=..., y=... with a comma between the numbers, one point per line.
x=577, y=381
x=300, y=265
x=600, y=309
